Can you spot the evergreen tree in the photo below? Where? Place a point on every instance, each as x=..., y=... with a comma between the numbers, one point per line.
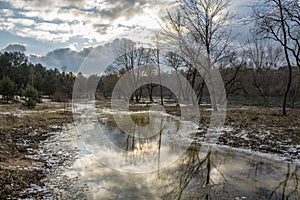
x=7, y=89
x=31, y=96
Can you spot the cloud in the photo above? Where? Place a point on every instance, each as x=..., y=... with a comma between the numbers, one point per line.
x=241, y=8
x=73, y=59
x=15, y=47
x=87, y=22
x=59, y=21
x=122, y=8
x=6, y=12
x=102, y=28
x=21, y=22
x=5, y=25
x=84, y=23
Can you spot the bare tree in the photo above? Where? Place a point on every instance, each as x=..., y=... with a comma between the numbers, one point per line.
x=279, y=20
x=293, y=27
x=200, y=29
x=292, y=10
x=231, y=67
x=131, y=56
x=177, y=62
x=195, y=83
x=263, y=57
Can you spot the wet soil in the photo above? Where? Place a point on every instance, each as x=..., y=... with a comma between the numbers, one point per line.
x=263, y=130
x=23, y=162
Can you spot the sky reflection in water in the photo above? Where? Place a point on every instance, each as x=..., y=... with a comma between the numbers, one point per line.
x=173, y=170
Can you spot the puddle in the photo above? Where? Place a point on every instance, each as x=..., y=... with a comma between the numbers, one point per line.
x=159, y=162
x=205, y=172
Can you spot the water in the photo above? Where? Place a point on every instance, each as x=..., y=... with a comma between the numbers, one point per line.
x=156, y=159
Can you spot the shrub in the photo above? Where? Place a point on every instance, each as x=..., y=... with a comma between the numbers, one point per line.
x=31, y=96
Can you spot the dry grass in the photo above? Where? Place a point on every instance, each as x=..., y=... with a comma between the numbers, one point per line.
x=20, y=136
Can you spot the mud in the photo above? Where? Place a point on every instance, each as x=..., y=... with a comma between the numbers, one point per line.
x=24, y=160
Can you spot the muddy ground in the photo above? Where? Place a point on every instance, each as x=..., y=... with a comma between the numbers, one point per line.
x=264, y=130
x=23, y=164
x=35, y=144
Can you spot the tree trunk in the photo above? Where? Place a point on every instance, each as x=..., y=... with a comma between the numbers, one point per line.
x=288, y=85
x=208, y=167
x=150, y=92
x=213, y=100
x=285, y=43
x=212, y=92
x=200, y=93
x=193, y=84
x=160, y=86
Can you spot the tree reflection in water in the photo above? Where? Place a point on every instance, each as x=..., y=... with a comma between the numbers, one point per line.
x=190, y=166
x=279, y=191
x=216, y=175
x=202, y=172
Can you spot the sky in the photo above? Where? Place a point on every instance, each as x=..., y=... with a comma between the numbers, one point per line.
x=45, y=25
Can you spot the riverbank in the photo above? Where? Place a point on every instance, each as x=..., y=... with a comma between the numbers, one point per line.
x=255, y=128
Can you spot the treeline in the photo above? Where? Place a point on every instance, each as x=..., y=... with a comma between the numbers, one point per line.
x=247, y=78
x=242, y=80
x=244, y=85
x=20, y=78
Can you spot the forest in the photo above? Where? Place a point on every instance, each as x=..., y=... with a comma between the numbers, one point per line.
x=20, y=78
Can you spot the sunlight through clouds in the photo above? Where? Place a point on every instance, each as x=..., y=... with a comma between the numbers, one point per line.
x=88, y=21
x=93, y=20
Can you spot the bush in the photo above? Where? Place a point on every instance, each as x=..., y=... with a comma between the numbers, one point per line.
x=31, y=96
